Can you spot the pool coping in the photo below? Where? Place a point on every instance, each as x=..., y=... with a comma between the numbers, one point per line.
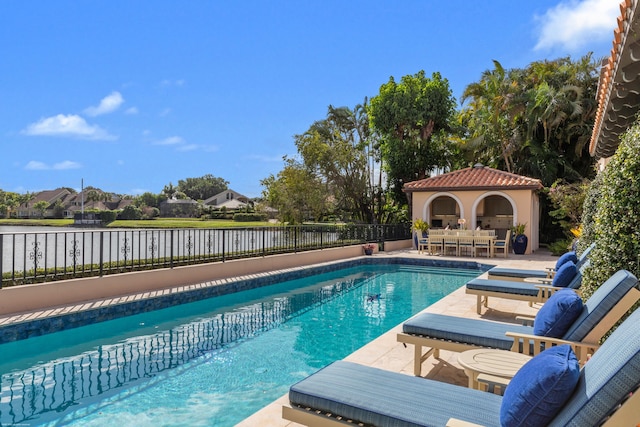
x=36, y=323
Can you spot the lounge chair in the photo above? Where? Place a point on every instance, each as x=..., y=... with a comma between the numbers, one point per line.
x=606, y=393
x=518, y=275
x=600, y=312
x=568, y=276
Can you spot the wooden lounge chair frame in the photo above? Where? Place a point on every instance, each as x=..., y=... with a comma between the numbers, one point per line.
x=524, y=343
x=545, y=291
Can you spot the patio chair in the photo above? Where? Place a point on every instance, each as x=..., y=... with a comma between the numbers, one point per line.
x=502, y=245
x=465, y=244
x=435, y=241
x=534, y=293
x=518, y=275
x=600, y=312
x=450, y=242
x=605, y=391
x=483, y=243
x=423, y=242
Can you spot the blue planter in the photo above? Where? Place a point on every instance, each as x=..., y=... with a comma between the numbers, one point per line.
x=520, y=244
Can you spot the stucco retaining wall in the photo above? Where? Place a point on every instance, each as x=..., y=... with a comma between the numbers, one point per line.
x=24, y=298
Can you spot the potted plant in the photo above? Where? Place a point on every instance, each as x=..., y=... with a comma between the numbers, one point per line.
x=420, y=226
x=368, y=248
x=519, y=239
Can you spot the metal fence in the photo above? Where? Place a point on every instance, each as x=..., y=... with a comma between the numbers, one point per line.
x=31, y=257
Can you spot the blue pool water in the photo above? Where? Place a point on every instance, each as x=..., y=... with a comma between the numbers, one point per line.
x=213, y=362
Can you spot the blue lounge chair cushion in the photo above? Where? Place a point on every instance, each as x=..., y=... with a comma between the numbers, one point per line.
x=569, y=256
x=600, y=303
x=606, y=379
x=558, y=314
x=517, y=272
x=540, y=388
x=383, y=398
x=482, y=333
x=564, y=274
x=503, y=286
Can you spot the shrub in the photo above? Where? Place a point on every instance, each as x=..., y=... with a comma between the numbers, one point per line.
x=615, y=223
x=249, y=217
x=130, y=212
x=107, y=217
x=587, y=236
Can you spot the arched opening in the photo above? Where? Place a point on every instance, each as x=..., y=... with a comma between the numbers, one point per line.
x=495, y=212
x=444, y=211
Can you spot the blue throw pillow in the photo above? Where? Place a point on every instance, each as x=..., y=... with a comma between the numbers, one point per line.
x=568, y=256
x=540, y=388
x=558, y=314
x=564, y=275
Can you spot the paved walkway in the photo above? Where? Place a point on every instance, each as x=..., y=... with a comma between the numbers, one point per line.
x=386, y=353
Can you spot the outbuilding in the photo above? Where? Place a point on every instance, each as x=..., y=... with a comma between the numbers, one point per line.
x=478, y=196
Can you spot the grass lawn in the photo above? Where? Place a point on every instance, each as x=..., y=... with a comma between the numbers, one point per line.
x=151, y=223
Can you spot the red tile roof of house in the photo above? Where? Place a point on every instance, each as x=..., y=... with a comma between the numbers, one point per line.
x=618, y=91
x=478, y=177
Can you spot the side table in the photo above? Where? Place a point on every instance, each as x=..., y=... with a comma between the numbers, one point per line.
x=499, y=363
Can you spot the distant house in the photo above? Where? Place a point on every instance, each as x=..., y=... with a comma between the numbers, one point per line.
x=28, y=210
x=78, y=201
x=178, y=208
x=69, y=204
x=230, y=199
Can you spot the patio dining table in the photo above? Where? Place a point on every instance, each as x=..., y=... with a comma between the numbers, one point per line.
x=458, y=240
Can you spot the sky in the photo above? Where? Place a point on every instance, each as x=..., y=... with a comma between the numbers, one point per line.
x=129, y=96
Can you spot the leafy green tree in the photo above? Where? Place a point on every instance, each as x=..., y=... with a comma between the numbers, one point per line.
x=296, y=193
x=202, y=188
x=130, y=212
x=168, y=191
x=149, y=199
x=535, y=121
x=568, y=200
x=337, y=150
x=9, y=201
x=41, y=207
x=489, y=116
x=406, y=116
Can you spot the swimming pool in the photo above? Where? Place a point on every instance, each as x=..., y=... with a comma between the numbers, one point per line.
x=212, y=362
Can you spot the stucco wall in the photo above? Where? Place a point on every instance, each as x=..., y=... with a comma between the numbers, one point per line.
x=24, y=298
x=524, y=204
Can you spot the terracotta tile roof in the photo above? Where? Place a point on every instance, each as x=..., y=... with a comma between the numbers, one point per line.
x=478, y=177
x=618, y=89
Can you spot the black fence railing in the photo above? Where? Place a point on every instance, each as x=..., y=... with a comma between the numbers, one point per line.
x=41, y=256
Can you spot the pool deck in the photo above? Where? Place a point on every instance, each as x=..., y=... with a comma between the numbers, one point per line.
x=386, y=353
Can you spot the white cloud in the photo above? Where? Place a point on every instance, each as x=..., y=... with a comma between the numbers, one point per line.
x=188, y=147
x=266, y=159
x=67, y=125
x=67, y=164
x=210, y=148
x=109, y=104
x=573, y=24
x=165, y=112
x=64, y=165
x=34, y=165
x=131, y=110
x=172, y=140
x=168, y=82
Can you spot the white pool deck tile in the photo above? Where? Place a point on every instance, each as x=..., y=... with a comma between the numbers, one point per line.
x=386, y=353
